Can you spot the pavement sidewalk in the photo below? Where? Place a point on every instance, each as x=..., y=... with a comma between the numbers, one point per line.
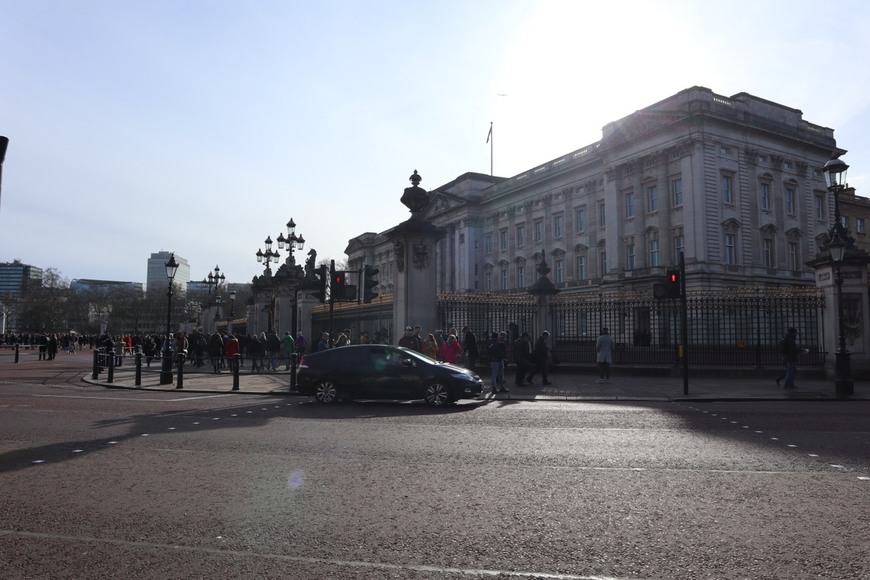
x=567, y=384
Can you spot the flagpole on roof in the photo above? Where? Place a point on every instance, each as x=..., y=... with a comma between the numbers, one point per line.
x=490, y=140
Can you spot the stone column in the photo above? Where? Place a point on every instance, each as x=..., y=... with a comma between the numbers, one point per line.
x=415, y=299
x=856, y=307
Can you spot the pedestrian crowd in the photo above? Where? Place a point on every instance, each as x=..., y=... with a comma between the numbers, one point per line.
x=530, y=359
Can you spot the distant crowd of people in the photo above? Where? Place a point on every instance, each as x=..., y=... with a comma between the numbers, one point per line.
x=530, y=359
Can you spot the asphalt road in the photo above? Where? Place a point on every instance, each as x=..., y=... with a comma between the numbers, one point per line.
x=139, y=484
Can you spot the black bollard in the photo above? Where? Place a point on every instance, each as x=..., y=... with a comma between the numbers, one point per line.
x=294, y=358
x=16, y=353
x=110, y=378
x=138, y=367
x=96, y=374
x=236, y=363
x=180, y=360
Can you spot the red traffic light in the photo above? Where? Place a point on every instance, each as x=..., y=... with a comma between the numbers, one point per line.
x=339, y=279
x=674, y=278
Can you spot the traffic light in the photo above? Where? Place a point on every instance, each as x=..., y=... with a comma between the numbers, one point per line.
x=672, y=281
x=370, y=283
x=339, y=284
x=322, y=281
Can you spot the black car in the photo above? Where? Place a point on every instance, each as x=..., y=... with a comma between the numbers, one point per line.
x=378, y=371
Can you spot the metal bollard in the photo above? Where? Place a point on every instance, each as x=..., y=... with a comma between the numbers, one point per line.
x=139, y=367
x=236, y=363
x=96, y=373
x=294, y=360
x=16, y=353
x=110, y=378
x=180, y=362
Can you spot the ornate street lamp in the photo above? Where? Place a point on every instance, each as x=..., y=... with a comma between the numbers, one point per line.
x=268, y=257
x=214, y=279
x=166, y=367
x=292, y=241
x=840, y=242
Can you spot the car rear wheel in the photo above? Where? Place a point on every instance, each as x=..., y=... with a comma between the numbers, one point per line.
x=326, y=392
x=437, y=395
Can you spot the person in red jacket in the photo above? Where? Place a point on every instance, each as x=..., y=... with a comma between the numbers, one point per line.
x=450, y=350
x=231, y=348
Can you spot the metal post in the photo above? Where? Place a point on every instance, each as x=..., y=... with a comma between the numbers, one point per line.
x=96, y=371
x=17, y=348
x=180, y=357
x=235, y=362
x=138, y=366
x=684, y=311
x=110, y=378
x=843, y=382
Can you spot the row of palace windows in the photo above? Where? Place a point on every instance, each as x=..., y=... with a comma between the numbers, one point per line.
x=651, y=198
x=521, y=235
x=729, y=257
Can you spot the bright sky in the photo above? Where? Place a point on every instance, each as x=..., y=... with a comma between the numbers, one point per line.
x=203, y=126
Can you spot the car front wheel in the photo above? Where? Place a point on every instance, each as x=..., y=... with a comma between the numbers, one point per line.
x=326, y=392
x=437, y=395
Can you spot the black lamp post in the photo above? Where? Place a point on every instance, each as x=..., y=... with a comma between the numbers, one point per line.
x=840, y=242
x=292, y=241
x=166, y=367
x=232, y=311
x=269, y=257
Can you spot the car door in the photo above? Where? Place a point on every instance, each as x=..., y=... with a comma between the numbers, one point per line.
x=393, y=376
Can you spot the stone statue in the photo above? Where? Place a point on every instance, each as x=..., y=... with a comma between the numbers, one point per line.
x=415, y=198
x=311, y=263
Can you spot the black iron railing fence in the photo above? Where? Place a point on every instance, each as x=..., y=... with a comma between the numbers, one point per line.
x=737, y=327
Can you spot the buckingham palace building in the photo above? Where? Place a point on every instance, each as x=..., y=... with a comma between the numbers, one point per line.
x=734, y=183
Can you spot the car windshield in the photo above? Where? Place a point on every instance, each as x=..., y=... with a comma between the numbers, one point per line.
x=417, y=355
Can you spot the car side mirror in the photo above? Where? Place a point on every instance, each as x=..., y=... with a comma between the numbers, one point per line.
x=408, y=362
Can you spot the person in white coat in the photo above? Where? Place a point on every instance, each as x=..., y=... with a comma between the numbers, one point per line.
x=604, y=357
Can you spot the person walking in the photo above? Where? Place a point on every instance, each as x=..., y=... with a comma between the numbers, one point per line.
x=522, y=351
x=604, y=355
x=497, y=352
x=288, y=345
x=541, y=358
x=790, y=352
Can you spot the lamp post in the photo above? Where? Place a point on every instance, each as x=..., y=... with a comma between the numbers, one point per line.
x=840, y=242
x=166, y=367
x=232, y=311
x=269, y=257
x=291, y=242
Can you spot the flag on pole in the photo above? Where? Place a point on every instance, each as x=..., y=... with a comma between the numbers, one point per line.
x=489, y=135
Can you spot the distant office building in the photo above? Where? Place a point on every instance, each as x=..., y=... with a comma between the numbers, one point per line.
x=156, y=279
x=16, y=277
x=105, y=286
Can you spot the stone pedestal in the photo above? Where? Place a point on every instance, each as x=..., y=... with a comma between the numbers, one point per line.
x=414, y=298
x=856, y=308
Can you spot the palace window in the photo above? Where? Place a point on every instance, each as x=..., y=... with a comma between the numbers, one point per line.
x=580, y=219
x=652, y=198
x=677, y=192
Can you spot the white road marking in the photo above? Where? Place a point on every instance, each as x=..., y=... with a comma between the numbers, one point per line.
x=307, y=560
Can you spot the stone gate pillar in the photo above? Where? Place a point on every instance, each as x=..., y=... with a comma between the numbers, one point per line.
x=415, y=299
x=543, y=290
x=856, y=308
